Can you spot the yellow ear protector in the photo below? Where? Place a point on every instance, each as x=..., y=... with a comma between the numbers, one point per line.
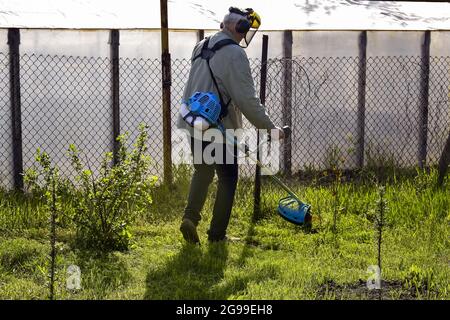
x=251, y=20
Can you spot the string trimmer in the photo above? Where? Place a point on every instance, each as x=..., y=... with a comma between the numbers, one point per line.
x=202, y=111
x=291, y=207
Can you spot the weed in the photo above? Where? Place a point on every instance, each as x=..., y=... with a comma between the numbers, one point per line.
x=380, y=162
x=420, y=280
x=49, y=191
x=21, y=255
x=107, y=205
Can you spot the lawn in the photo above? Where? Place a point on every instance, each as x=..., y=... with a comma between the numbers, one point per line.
x=272, y=260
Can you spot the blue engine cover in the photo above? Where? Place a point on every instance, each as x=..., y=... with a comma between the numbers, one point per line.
x=205, y=105
x=293, y=211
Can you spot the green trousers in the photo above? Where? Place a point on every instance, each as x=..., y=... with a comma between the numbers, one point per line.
x=227, y=174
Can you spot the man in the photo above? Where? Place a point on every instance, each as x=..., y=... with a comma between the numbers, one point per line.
x=227, y=73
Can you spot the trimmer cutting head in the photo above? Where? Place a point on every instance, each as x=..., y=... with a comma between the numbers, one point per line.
x=295, y=211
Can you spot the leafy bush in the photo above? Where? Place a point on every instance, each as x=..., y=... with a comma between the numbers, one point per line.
x=106, y=205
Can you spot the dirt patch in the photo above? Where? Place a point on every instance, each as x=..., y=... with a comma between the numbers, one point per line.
x=390, y=290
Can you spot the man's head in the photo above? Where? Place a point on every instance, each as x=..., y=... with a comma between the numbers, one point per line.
x=242, y=24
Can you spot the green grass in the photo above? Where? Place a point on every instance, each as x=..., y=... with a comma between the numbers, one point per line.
x=273, y=260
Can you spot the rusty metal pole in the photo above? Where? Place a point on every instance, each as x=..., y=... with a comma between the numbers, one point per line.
x=166, y=84
x=262, y=95
x=287, y=100
x=361, y=111
x=424, y=88
x=114, y=46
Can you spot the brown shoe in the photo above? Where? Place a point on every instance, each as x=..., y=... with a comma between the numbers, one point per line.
x=189, y=231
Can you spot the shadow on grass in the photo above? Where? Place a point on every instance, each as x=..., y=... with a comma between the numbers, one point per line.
x=168, y=201
x=193, y=274
x=190, y=274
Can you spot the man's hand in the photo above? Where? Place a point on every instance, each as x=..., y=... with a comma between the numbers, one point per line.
x=277, y=134
x=281, y=134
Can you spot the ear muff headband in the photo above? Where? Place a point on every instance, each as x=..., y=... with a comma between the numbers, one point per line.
x=243, y=25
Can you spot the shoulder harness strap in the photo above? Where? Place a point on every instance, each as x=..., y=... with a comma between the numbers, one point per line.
x=206, y=54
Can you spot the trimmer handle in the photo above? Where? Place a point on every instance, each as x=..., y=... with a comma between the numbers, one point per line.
x=287, y=131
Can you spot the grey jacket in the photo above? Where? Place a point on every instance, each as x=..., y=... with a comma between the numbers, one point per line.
x=231, y=69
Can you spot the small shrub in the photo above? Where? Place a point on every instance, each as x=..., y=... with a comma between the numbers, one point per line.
x=380, y=220
x=49, y=191
x=106, y=205
x=424, y=180
x=334, y=158
x=103, y=207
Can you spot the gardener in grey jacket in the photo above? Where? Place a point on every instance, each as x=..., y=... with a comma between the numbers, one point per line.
x=231, y=70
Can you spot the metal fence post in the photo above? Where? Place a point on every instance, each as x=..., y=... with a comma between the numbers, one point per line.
x=424, y=88
x=287, y=100
x=16, y=115
x=166, y=84
x=262, y=96
x=444, y=162
x=361, y=112
x=114, y=45
x=200, y=35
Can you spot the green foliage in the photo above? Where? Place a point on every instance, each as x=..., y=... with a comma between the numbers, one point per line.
x=381, y=210
x=380, y=162
x=333, y=158
x=106, y=205
x=40, y=180
x=273, y=260
x=50, y=190
x=420, y=280
x=103, y=206
x=170, y=200
x=424, y=180
x=21, y=255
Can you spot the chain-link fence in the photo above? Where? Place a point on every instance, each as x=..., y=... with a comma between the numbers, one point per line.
x=323, y=108
x=6, y=169
x=67, y=100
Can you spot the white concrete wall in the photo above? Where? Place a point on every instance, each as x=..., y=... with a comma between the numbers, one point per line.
x=392, y=93
x=6, y=161
x=65, y=89
x=140, y=44
x=275, y=46
x=439, y=110
x=65, y=42
x=324, y=112
x=325, y=43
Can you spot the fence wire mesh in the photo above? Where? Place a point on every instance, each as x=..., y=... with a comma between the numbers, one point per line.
x=67, y=99
x=6, y=169
x=140, y=102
